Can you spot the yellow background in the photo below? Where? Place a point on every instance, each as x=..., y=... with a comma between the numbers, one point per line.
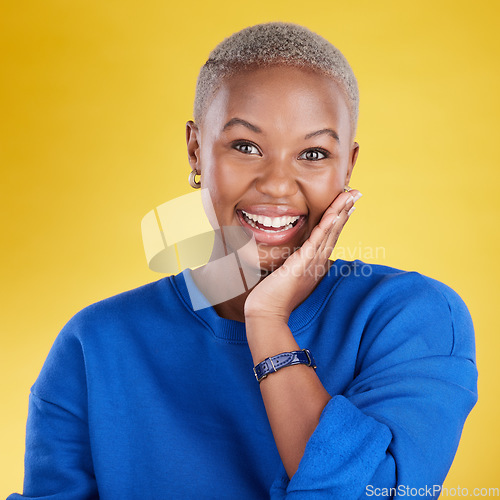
x=94, y=96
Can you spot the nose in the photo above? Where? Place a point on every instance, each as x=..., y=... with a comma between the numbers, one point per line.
x=277, y=179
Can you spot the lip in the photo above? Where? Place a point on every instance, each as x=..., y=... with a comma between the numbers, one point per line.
x=272, y=239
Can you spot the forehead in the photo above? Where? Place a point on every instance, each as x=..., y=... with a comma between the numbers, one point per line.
x=280, y=97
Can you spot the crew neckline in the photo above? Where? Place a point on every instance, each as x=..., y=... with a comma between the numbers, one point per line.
x=234, y=331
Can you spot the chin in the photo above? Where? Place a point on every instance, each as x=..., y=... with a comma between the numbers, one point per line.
x=273, y=258
x=269, y=259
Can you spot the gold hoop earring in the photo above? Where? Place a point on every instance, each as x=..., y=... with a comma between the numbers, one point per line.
x=192, y=180
x=347, y=189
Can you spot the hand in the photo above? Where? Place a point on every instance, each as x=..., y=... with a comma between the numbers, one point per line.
x=276, y=296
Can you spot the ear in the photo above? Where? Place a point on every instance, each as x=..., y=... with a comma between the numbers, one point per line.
x=353, y=156
x=193, y=145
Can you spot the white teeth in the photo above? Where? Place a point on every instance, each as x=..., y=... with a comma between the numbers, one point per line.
x=283, y=222
x=279, y=222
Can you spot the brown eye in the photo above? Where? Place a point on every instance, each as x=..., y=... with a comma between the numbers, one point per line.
x=246, y=148
x=313, y=155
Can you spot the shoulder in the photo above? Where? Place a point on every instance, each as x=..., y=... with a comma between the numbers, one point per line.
x=134, y=306
x=387, y=297
x=382, y=282
x=115, y=322
x=103, y=331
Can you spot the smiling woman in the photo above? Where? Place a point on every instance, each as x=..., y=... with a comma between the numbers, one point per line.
x=365, y=373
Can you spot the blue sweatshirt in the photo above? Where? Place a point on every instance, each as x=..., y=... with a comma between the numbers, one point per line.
x=141, y=397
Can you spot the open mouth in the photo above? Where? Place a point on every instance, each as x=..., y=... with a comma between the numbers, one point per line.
x=271, y=230
x=270, y=224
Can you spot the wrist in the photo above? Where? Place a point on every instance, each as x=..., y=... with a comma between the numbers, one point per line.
x=263, y=317
x=268, y=336
x=259, y=324
x=256, y=308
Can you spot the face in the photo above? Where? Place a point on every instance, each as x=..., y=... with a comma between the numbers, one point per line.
x=274, y=150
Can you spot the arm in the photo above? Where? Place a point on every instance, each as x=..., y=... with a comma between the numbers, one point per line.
x=398, y=423
x=58, y=462
x=294, y=397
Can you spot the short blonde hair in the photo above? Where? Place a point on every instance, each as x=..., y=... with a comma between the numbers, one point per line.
x=269, y=44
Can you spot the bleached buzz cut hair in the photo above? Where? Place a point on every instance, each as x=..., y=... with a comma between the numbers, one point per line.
x=272, y=44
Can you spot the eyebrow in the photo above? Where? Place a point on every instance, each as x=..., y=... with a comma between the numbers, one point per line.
x=254, y=128
x=328, y=131
x=239, y=121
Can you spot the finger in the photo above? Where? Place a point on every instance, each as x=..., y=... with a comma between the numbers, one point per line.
x=349, y=205
x=328, y=245
x=340, y=211
x=339, y=221
x=321, y=237
x=326, y=233
x=342, y=201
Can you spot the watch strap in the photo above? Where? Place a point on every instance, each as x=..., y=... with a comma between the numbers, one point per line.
x=274, y=363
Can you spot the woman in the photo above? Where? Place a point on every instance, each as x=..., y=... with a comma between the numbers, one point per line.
x=365, y=373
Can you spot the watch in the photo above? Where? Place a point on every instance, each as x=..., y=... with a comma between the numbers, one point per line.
x=274, y=363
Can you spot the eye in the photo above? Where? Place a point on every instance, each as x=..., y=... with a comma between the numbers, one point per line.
x=247, y=148
x=314, y=154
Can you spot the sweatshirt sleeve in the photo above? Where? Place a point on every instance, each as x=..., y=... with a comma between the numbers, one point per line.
x=395, y=429
x=58, y=463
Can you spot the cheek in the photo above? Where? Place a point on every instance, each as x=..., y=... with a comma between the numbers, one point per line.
x=226, y=184
x=321, y=194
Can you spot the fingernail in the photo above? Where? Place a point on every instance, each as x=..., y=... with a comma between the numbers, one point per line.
x=357, y=197
x=351, y=211
x=349, y=200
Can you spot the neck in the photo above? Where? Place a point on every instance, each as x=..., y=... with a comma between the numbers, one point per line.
x=208, y=280
x=213, y=281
